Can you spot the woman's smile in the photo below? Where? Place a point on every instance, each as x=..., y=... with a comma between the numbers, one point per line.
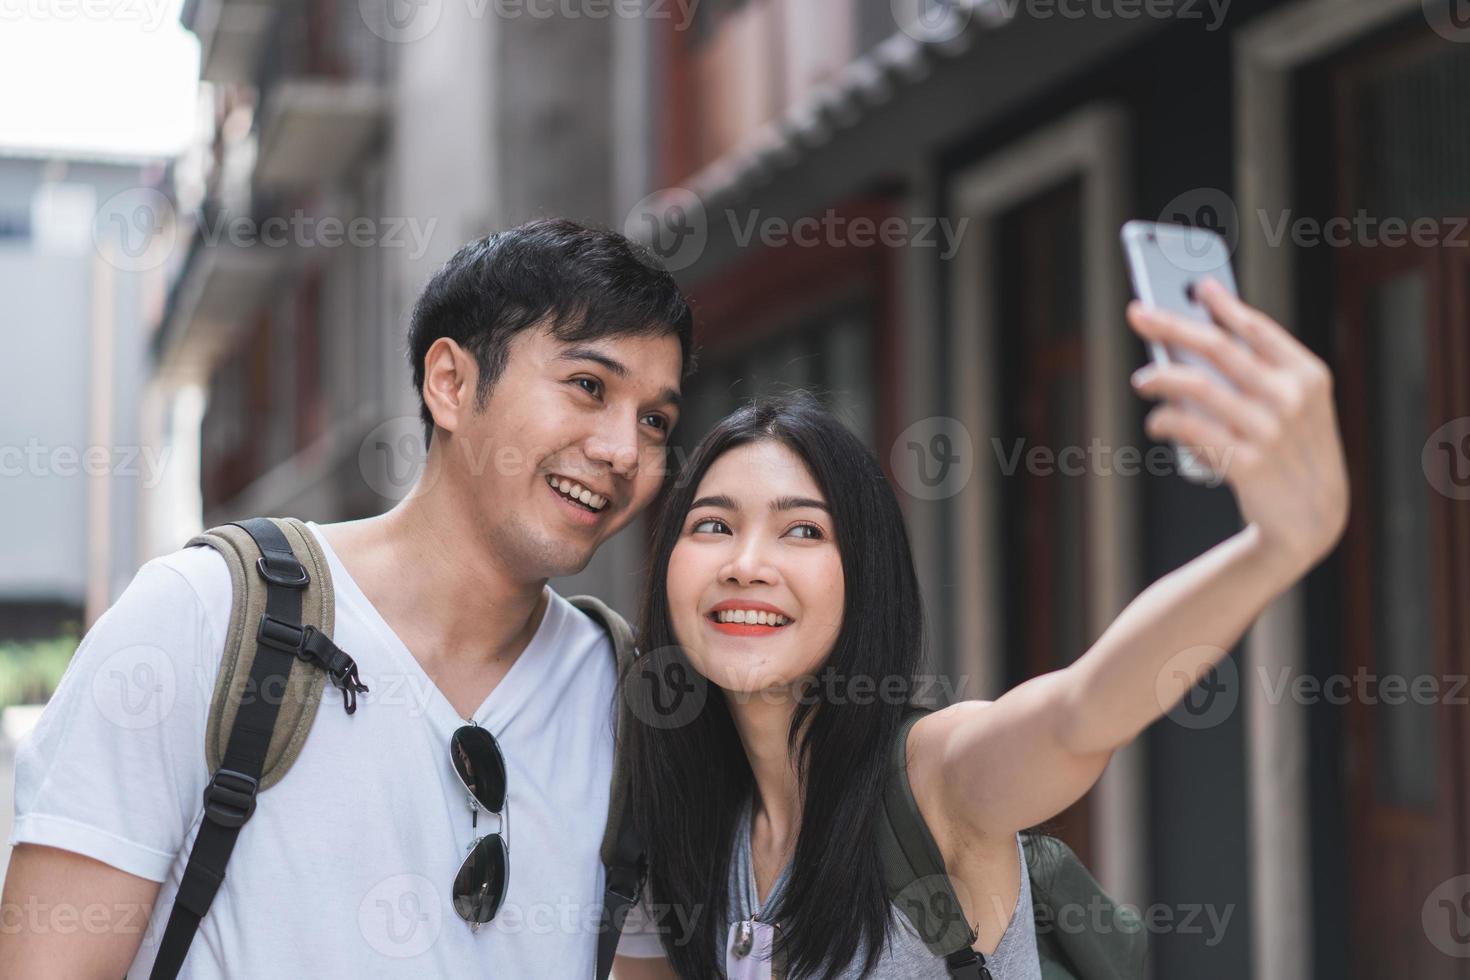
x=746, y=617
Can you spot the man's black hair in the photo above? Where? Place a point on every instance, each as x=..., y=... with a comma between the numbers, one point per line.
x=590, y=283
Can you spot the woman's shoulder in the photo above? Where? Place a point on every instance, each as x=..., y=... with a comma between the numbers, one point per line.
x=942, y=722
x=929, y=752
x=930, y=741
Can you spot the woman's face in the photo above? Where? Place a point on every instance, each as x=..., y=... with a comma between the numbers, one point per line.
x=755, y=580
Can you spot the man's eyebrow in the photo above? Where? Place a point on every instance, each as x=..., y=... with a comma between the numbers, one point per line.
x=615, y=367
x=780, y=503
x=594, y=355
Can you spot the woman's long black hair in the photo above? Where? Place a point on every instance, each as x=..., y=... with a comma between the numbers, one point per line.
x=689, y=781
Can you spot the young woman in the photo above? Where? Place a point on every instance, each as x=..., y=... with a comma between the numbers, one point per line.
x=782, y=578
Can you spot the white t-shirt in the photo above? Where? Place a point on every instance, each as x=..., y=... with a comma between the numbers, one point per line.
x=346, y=867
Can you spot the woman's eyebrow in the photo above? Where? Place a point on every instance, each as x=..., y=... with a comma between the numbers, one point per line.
x=718, y=500
x=780, y=503
x=797, y=503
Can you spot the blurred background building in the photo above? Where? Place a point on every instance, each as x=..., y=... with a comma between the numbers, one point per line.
x=760, y=146
x=89, y=325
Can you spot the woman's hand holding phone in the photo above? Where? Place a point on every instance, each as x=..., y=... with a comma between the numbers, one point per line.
x=1274, y=435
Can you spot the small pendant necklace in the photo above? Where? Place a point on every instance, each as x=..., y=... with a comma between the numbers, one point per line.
x=750, y=944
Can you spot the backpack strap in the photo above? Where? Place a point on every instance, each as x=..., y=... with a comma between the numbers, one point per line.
x=622, y=852
x=914, y=873
x=918, y=884
x=265, y=697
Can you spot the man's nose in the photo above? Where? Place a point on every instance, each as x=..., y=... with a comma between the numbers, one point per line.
x=616, y=443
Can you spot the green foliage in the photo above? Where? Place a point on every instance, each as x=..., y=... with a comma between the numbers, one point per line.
x=30, y=670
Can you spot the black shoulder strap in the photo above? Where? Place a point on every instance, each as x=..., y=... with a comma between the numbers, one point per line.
x=624, y=879
x=622, y=852
x=913, y=869
x=229, y=799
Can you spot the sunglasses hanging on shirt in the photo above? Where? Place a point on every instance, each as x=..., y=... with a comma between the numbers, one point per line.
x=480, y=885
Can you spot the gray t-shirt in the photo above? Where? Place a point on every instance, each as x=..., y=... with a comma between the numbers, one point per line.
x=905, y=957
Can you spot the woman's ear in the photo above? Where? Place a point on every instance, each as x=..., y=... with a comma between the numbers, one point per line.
x=451, y=376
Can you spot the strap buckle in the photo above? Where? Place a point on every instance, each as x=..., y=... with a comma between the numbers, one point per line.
x=313, y=646
x=283, y=636
x=966, y=964
x=626, y=882
x=290, y=576
x=229, y=799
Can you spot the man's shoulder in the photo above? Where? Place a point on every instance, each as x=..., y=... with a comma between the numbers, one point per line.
x=582, y=623
x=183, y=587
x=198, y=569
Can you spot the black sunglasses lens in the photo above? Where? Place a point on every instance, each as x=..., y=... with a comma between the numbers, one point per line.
x=478, y=761
x=479, y=888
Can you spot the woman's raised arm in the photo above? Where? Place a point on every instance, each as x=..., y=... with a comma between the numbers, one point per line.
x=1008, y=765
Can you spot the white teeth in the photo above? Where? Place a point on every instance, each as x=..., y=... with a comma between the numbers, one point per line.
x=578, y=492
x=755, y=616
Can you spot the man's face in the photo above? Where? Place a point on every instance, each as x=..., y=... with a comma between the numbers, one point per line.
x=568, y=448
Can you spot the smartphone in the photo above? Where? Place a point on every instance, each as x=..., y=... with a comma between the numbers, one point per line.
x=1166, y=262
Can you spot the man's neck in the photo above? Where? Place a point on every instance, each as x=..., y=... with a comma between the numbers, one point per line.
x=434, y=583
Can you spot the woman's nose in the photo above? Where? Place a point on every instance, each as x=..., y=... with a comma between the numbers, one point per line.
x=749, y=565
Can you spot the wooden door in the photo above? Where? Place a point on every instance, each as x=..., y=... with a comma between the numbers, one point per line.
x=1040, y=343
x=1401, y=349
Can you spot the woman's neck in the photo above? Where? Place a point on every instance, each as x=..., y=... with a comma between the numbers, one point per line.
x=763, y=721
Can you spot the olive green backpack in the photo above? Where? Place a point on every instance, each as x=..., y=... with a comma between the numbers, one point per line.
x=1111, y=947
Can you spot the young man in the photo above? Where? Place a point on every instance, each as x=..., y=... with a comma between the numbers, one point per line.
x=544, y=356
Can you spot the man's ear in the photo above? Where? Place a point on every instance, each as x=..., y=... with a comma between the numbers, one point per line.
x=450, y=378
